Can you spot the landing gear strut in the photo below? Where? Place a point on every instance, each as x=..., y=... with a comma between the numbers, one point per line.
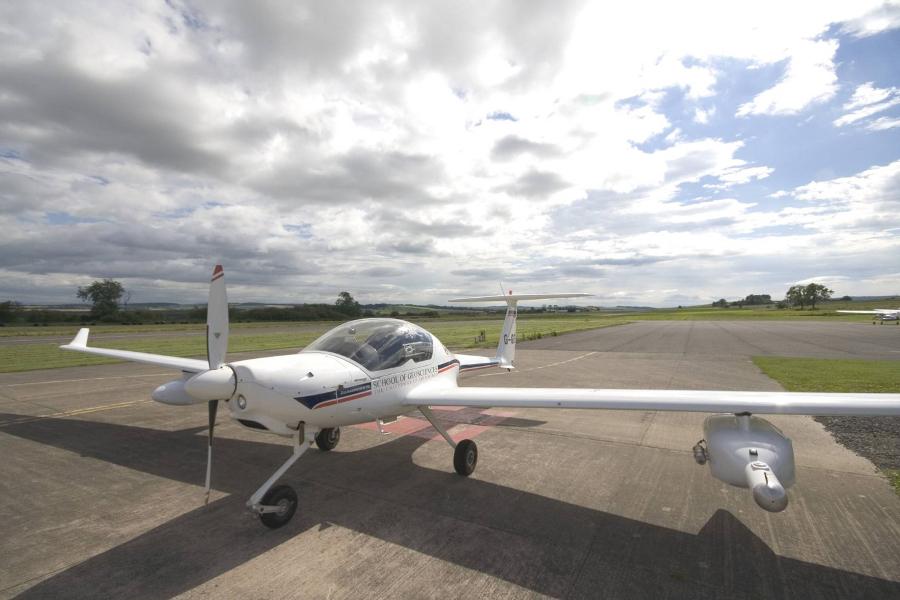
x=465, y=453
x=276, y=506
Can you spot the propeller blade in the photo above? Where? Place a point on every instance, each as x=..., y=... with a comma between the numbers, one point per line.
x=217, y=320
x=213, y=407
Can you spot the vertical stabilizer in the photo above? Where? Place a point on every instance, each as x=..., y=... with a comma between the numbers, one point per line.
x=506, y=348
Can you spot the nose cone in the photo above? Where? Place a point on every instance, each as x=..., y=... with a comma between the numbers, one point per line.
x=215, y=384
x=768, y=492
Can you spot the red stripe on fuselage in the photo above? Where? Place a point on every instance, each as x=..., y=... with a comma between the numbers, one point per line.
x=479, y=367
x=342, y=400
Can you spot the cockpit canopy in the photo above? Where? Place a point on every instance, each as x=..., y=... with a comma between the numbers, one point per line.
x=377, y=344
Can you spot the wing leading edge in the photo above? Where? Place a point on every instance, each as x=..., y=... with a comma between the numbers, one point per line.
x=784, y=403
x=190, y=365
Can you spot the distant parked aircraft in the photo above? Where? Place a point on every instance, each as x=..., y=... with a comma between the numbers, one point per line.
x=882, y=314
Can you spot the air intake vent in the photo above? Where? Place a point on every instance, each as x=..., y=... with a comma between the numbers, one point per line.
x=252, y=424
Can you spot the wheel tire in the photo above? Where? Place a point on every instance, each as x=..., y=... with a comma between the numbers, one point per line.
x=284, y=496
x=465, y=457
x=328, y=438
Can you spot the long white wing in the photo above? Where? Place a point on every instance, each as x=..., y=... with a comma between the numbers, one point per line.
x=191, y=365
x=877, y=311
x=785, y=403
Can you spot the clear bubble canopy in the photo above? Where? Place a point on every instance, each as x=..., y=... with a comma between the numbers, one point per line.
x=377, y=344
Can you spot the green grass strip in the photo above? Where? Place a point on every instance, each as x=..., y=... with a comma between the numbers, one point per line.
x=832, y=375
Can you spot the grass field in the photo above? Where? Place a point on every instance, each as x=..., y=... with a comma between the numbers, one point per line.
x=827, y=375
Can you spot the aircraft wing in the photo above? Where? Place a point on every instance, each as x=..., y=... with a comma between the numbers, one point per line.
x=190, y=365
x=877, y=311
x=784, y=403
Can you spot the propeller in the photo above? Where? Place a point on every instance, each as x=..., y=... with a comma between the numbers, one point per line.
x=218, y=382
x=213, y=407
x=217, y=320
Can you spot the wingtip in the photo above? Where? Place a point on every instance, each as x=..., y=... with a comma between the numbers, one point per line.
x=80, y=339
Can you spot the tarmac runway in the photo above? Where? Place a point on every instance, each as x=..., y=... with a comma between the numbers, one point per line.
x=101, y=489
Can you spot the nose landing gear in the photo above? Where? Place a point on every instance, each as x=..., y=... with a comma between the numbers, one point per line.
x=328, y=438
x=276, y=506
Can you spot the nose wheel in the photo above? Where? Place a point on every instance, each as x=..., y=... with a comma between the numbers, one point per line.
x=278, y=506
x=327, y=439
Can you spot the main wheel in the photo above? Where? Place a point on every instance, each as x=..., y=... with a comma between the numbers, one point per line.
x=328, y=438
x=465, y=457
x=285, y=498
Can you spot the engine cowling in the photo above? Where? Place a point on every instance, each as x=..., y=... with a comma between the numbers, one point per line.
x=749, y=452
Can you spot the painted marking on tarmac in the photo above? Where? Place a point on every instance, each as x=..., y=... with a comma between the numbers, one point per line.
x=160, y=374
x=72, y=413
x=547, y=366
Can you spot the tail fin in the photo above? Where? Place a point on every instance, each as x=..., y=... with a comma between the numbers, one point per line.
x=506, y=348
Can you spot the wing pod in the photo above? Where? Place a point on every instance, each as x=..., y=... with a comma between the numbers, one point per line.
x=767, y=490
x=173, y=393
x=749, y=452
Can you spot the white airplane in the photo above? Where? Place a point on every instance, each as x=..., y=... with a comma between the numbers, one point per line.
x=377, y=369
x=882, y=314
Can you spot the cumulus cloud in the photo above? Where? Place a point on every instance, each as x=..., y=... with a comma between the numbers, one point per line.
x=401, y=144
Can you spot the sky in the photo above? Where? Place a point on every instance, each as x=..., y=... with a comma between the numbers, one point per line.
x=648, y=153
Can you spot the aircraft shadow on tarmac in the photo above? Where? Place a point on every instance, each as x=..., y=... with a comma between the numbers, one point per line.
x=541, y=544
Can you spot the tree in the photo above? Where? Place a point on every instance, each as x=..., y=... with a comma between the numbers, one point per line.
x=796, y=296
x=104, y=297
x=9, y=311
x=815, y=292
x=757, y=299
x=347, y=305
x=721, y=302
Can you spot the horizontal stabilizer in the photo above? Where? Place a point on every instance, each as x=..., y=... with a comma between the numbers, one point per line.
x=518, y=297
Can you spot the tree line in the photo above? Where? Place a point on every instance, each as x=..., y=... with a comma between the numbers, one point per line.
x=797, y=296
x=106, y=297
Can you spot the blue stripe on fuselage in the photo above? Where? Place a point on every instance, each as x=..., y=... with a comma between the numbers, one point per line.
x=341, y=392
